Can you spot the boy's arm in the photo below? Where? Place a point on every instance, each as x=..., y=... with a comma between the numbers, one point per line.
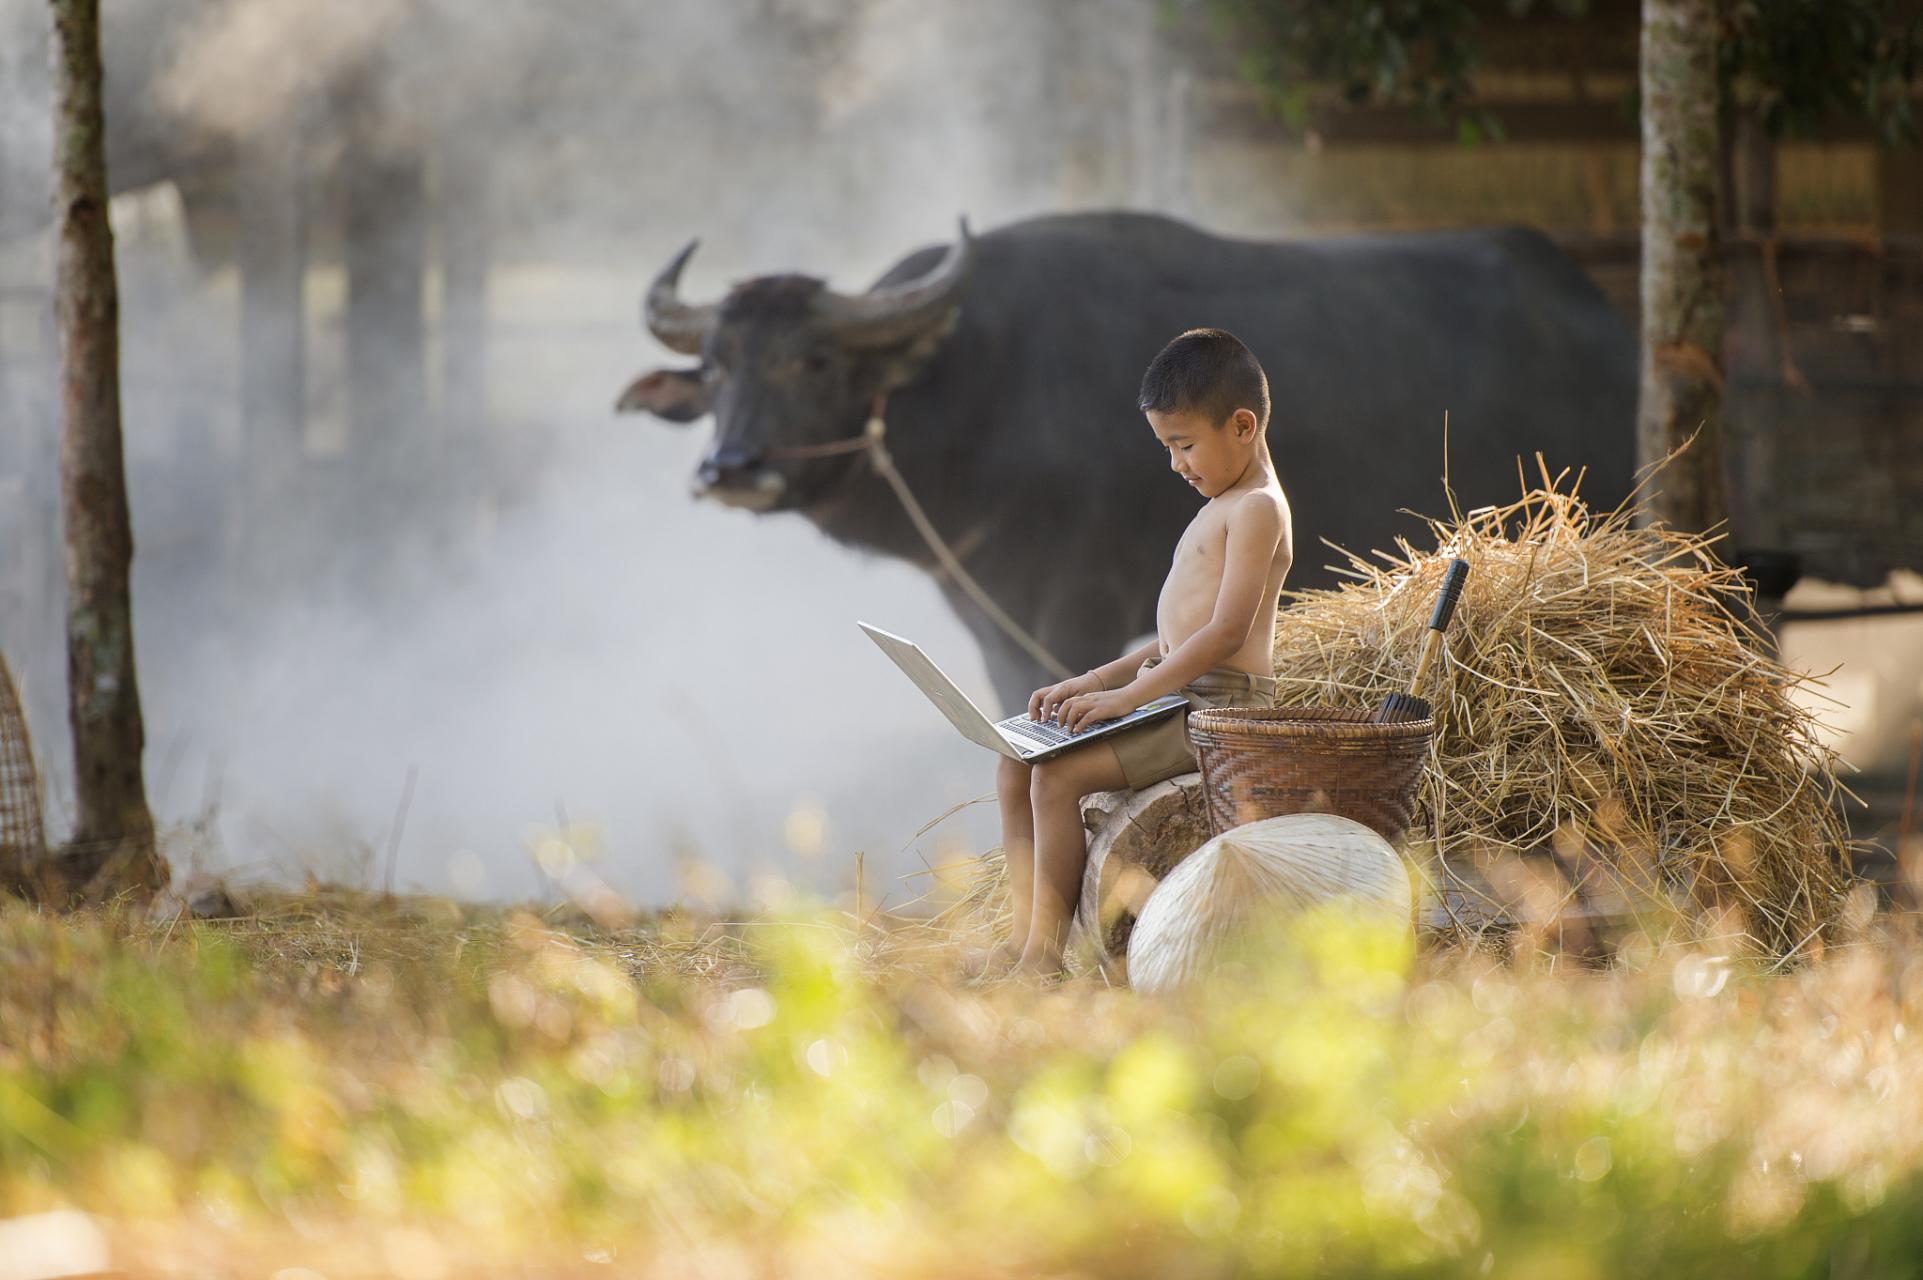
x=1118, y=674
x=1255, y=530
x=1114, y=675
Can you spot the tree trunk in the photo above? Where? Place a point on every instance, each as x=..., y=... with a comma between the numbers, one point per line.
x=1682, y=272
x=463, y=197
x=113, y=838
x=384, y=243
x=272, y=325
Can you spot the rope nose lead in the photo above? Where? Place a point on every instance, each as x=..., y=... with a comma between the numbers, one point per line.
x=884, y=463
x=870, y=440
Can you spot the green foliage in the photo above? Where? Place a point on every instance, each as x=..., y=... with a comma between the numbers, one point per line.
x=1799, y=62
x=808, y=1099
x=1417, y=53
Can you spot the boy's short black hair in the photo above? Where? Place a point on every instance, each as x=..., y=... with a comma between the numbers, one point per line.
x=1207, y=371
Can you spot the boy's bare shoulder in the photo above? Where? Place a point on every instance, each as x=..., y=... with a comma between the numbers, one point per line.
x=1264, y=503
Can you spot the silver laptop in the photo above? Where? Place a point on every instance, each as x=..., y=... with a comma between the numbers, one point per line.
x=1017, y=737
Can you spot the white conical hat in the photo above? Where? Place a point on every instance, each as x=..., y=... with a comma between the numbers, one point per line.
x=1248, y=879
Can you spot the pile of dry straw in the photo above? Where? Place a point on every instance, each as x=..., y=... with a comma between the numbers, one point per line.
x=1600, y=703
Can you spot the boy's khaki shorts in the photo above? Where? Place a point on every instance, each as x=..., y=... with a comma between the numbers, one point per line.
x=1161, y=750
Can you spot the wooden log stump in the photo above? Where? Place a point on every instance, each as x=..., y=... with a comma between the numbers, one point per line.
x=1135, y=839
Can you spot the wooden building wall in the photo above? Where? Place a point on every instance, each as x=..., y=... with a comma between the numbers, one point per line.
x=1826, y=447
x=1825, y=355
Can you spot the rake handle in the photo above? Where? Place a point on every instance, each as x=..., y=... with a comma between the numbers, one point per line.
x=1439, y=618
x=1452, y=580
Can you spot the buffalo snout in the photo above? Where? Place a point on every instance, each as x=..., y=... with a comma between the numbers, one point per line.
x=737, y=477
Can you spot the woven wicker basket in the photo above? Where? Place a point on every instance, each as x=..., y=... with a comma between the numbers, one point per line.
x=23, y=841
x=1267, y=763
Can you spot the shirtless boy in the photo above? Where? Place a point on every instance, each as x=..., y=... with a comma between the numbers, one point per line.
x=1208, y=402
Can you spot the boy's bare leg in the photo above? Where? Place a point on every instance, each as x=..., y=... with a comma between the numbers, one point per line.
x=1061, y=844
x=1012, y=784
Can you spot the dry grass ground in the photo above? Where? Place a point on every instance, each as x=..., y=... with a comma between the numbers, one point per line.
x=420, y=1090
x=343, y=1085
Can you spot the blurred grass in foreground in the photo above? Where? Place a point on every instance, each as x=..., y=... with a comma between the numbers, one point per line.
x=430, y=1093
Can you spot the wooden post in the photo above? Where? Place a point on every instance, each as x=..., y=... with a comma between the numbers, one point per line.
x=1682, y=272
x=1756, y=357
x=1899, y=191
x=1752, y=175
x=112, y=848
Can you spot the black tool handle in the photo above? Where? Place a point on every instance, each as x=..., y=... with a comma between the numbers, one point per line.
x=1458, y=573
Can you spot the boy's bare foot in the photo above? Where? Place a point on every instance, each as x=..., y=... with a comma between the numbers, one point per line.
x=1039, y=967
x=994, y=959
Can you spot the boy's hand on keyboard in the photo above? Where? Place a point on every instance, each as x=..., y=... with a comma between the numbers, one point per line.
x=1084, y=710
x=1046, y=703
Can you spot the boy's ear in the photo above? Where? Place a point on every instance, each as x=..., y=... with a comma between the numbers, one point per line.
x=1245, y=424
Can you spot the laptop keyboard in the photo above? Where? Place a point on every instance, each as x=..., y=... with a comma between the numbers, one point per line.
x=1050, y=734
x=1041, y=730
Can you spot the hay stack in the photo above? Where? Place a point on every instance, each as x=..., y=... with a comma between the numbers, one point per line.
x=1598, y=701
x=1241, y=886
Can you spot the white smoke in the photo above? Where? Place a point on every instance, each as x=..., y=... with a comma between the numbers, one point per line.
x=595, y=648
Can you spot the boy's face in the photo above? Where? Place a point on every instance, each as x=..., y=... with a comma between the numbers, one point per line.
x=1211, y=456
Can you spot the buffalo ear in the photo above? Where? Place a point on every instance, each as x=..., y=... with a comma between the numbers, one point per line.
x=675, y=395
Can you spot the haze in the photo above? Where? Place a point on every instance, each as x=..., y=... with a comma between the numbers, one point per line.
x=559, y=633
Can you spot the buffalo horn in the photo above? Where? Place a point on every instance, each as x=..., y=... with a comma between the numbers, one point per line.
x=887, y=316
x=675, y=324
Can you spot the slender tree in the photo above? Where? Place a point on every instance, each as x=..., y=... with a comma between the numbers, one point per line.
x=113, y=839
x=1682, y=271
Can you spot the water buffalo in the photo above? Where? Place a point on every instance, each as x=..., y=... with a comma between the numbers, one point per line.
x=1011, y=362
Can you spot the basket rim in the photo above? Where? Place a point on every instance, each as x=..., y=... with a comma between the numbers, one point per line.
x=1303, y=722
